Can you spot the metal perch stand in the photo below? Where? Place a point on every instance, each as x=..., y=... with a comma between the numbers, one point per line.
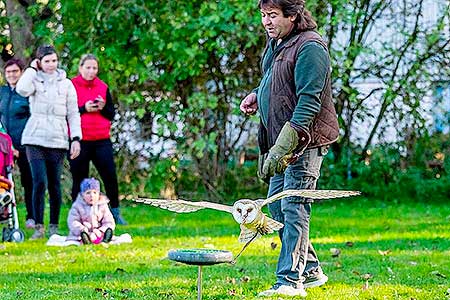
x=200, y=258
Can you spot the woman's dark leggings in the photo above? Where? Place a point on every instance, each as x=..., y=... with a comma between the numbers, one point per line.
x=101, y=154
x=46, y=167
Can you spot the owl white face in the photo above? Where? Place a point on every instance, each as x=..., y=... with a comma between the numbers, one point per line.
x=245, y=211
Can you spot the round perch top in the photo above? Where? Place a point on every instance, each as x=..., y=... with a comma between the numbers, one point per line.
x=200, y=256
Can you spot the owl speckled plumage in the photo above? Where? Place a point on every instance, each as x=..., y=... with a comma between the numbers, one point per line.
x=247, y=212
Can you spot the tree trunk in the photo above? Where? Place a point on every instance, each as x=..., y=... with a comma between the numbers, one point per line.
x=20, y=27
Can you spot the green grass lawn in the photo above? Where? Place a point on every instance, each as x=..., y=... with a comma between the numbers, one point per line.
x=387, y=251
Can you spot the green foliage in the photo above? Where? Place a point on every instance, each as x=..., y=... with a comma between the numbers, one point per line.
x=159, y=177
x=240, y=181
x=178, y=69
x=389, y=173
x=178, y=66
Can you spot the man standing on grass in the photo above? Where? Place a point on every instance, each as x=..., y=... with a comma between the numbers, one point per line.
x=298, y=123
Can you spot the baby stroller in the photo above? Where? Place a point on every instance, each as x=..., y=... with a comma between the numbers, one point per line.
x=8, y=210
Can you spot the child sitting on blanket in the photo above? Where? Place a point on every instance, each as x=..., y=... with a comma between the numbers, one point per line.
x=90, y=219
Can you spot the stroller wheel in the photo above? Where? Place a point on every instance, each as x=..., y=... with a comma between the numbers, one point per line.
x=16, y=236
x=6, y=234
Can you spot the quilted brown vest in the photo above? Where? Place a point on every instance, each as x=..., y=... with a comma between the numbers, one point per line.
x=283, y=100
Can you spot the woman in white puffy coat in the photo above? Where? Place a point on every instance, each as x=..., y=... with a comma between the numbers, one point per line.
x=54, y=116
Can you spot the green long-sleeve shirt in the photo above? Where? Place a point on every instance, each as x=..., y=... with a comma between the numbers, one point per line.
x=311, y=68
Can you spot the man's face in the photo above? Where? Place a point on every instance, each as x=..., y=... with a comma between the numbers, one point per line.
x=12, y=74
x=276, y=25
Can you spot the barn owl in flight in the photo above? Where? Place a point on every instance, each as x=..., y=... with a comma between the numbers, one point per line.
x=247, y=212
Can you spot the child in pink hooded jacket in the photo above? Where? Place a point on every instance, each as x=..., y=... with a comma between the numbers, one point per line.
x=90, y=219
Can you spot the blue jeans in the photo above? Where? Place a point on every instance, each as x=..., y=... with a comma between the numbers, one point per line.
x=297, y=256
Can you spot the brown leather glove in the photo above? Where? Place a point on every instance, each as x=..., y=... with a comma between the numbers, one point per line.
x=290, y=140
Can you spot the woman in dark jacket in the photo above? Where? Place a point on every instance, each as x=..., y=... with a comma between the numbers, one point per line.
x=97, y=112
x=14, y=114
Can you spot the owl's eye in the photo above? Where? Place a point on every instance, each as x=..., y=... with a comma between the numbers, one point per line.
x=249, y=210
x=239, y=210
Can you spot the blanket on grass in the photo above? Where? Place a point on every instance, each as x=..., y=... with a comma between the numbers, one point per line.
x=60, y=240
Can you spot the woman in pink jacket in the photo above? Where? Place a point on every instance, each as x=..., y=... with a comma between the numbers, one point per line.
x=90, y=219
x=97, y=111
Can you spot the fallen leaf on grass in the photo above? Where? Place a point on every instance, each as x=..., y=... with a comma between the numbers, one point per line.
x=412, y=243
x=438, y=274
x=273, y=245
x=384, y=252
x=120, y=270
x=231, y=280
x=105, y=293
x=232, y=292
x=367, y=276
x=245, y=279
x=335, y=252
x=349, y=244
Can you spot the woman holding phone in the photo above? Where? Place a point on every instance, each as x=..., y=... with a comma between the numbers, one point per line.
x=54, y=113
x=97, y=111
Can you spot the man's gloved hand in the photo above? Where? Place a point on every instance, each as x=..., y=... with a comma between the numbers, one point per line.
x=281, y=154
x=261, y=159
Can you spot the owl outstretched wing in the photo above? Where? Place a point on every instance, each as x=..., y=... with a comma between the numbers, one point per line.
x=183, y=206
x=311, y=194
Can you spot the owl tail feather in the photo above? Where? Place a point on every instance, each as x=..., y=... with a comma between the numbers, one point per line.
x=247, y=235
